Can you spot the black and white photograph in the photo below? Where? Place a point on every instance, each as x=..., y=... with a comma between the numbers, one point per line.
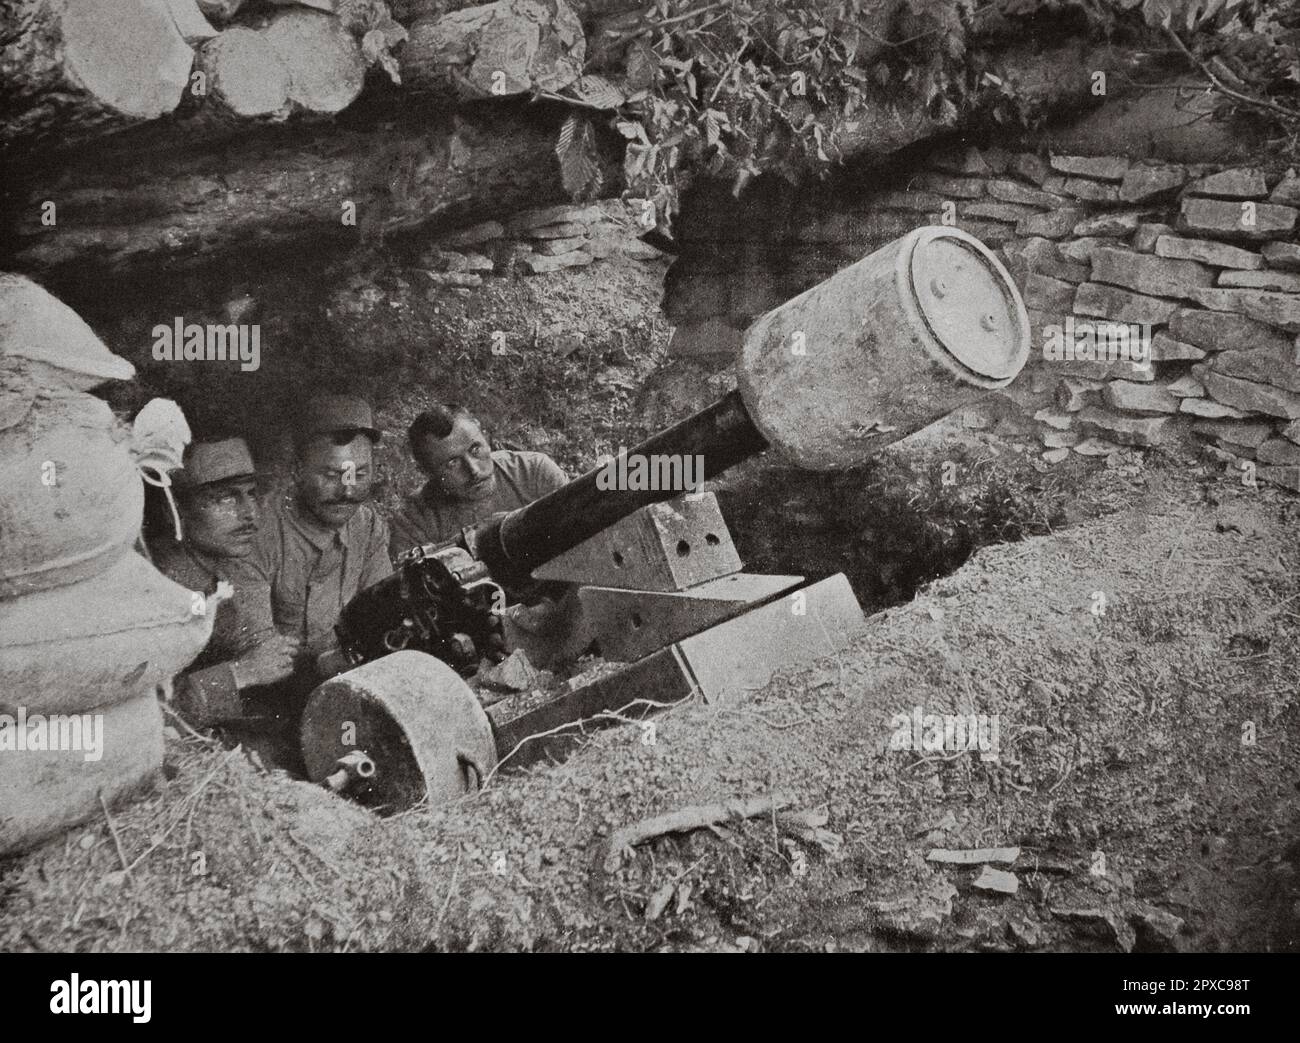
x=651, y=476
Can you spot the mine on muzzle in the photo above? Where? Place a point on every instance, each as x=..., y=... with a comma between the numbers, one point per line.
x=925, y=325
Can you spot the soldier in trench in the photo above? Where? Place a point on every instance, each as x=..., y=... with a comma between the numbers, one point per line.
x=233, y=684
x=469, y=482
x=322, y=542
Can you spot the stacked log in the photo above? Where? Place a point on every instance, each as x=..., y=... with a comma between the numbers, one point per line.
x=498, y=49
x=76, y=67
x=132, y=202
x=88, y=628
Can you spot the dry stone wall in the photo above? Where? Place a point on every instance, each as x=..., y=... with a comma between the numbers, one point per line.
x=1164, y=299
x=537, y=242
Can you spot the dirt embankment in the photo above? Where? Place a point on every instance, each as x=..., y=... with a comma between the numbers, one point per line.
x=1143, y=668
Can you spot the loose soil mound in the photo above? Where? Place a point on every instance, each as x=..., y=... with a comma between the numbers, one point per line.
x=1145, y=771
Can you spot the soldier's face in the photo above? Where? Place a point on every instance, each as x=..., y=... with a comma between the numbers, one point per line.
x=461, y=463
x=222, y=518
x=334, y=480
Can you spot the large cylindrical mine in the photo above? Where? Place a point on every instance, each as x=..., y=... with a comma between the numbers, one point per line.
x=927, y=324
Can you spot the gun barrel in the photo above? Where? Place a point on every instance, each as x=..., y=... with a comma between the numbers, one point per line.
x=511, y=546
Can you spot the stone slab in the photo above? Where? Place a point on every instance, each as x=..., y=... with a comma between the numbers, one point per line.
x=1276, y=309
x=1239, y=183
x=1287, y=191
x=1154, y=276
x=1044, y=293
x=1241, y=434
x=1147, y=235
x=1285, y=256
x=1111, y=302
x=1278, y=451
x=1186, y=386
x=1126, y=430
x=1132, y=397
x=1146, y=182
x=1207, y=407
x=1114, y=225
x=1165, y=349
x=1088, y=190
x=1267, y=366
x=1007, y=191
x=1221, y=255
x=1248, y=395
x=950, y=186
x=1106, y=168
x=1008, y=213
x=1055, y=224
x=1221, y=217
x=1283, y=282
x=540, y=264
x=1217, y=330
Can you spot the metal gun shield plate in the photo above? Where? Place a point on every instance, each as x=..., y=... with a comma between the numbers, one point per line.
x=416, y=719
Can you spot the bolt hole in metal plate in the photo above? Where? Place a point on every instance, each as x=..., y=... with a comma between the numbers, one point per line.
x=969, y=304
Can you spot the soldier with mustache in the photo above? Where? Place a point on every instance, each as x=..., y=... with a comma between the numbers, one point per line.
x=232, y=684
x=323, y=542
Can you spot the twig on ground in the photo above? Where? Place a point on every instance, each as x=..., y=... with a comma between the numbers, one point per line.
x=604, y=714
x=778, y=725
x=451, y=890
x=207, y=740
x=1065, y=775
x=117, y=841
x=684, y=820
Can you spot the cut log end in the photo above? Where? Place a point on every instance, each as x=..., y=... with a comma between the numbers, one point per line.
x=244, y=73
x=128, y=55
x=326, y=68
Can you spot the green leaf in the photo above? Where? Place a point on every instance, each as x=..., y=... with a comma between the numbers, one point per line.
x=597, y=91
x=576, y=150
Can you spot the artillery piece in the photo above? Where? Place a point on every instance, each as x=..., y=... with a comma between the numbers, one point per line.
x=927, y=324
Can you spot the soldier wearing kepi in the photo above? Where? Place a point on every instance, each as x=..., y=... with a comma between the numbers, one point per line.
x=323, y=542
x=218, y=499
x=468, y=481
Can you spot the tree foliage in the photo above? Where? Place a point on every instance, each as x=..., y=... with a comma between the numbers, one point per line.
x=735, y=88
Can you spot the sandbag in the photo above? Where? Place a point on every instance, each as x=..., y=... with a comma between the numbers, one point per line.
x=36, y=327
x=71, y=499
x=45, y=791
x=98, y=642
